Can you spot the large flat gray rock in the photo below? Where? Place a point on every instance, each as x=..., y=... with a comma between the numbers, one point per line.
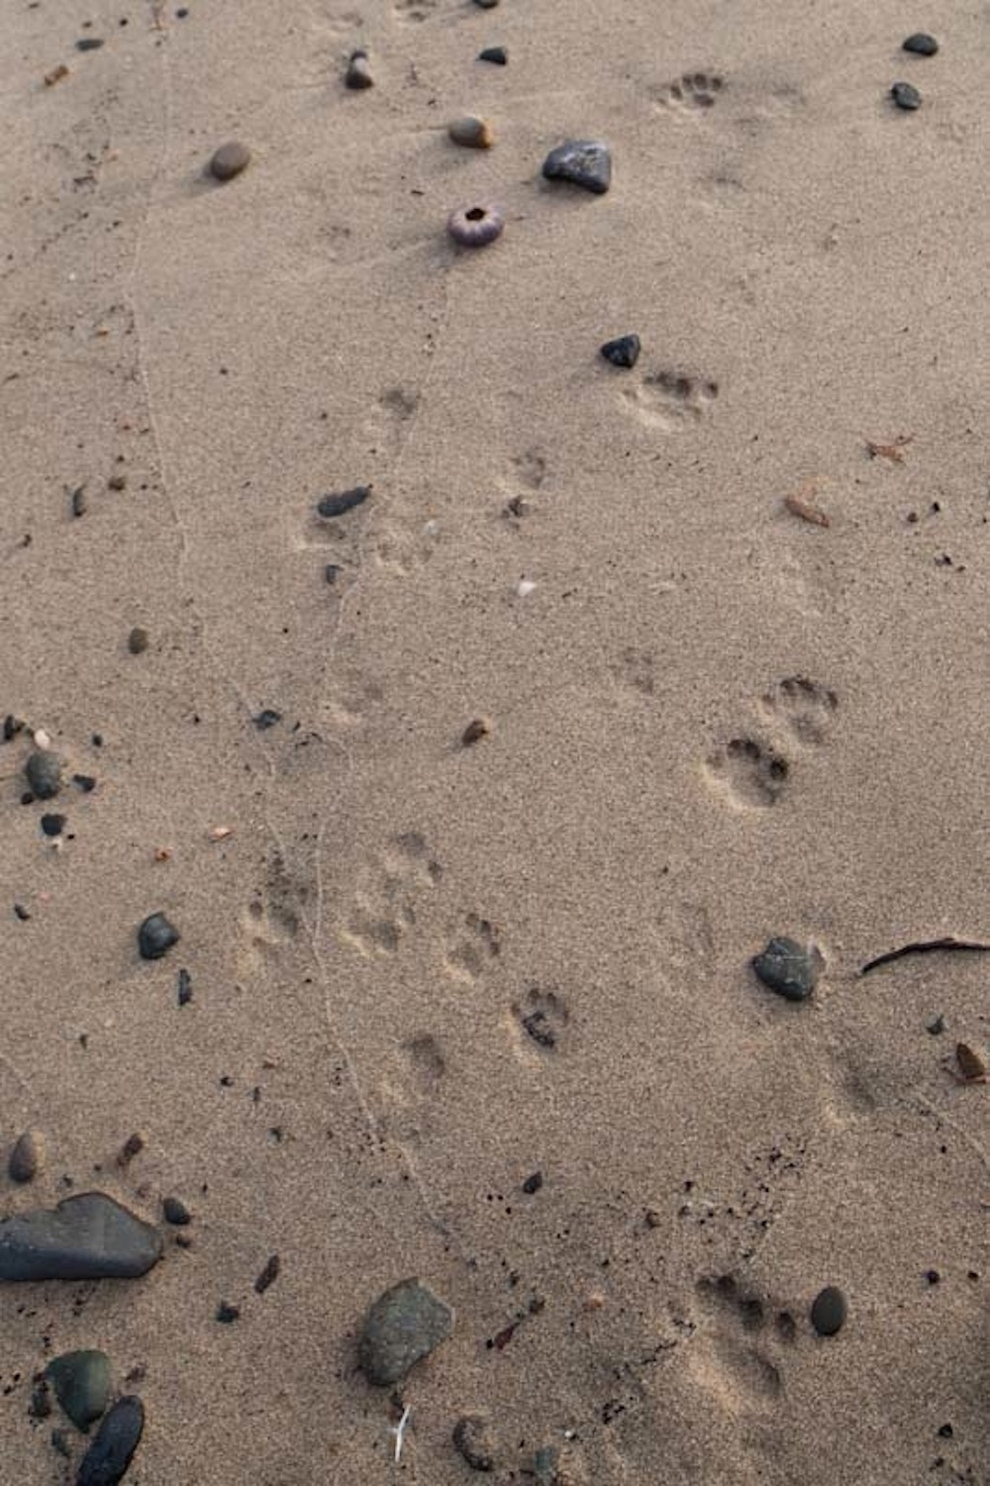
x=87, y=1237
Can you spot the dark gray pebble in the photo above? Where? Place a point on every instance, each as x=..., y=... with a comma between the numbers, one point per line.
x=86, y=1237
x=138, y=640
x=496, y=54
x=266, y=719
x=22, y=913
x=229, y=160
x=78, y=500
x=89, y=43
x=52, y=825
x=829, y=1310
x=226, y=1314
x=174, y=1211
x=486, y=4
x=583, y=162
x=358, y=75
x=331, y=571
x=622, y=352
x=82, y=1385
x=936, y=1026
x=156, y=937
x=106, y=1461
x=403, y=1326
x=905, y=95
x=533, y=1183
x=789, y=968
x=475, y=1439
x=11, y=727
x=185, y=988
x=28, y=1156
x=921, y=44
x=43, y=771
x=85, y=782
x=343, y=501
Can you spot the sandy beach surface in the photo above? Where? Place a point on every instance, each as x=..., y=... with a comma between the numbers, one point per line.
x=480, y=1009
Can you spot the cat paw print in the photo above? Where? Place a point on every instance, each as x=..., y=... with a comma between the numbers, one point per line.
x=692, y=91
x=386, y=901
x=670, y=399
x=806, y=708
x=473, y=949
x=751, y=773
x=540, y=1022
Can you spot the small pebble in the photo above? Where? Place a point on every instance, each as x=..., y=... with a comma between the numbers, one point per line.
x=622, y=352
x=358, y=74
x=11, y=727
x=229, y=160
x=56, y=75
x=486, y=4
x=331, y=571
x=475, y=226
x=156, y=937
x=226, y=1313
x=78, y=500
x=475, y=1439
x=22, y=913
x=583, y=162
x=789, y=968
x=43, y=771
x=533, y=1183
x=133, y=1146
x=404, y=1325
x=905, y=95
x=268, y=1275
x=89, y=44
x=932, y=1276
x=475, y=731
x=342, y=501
x=921, y=44
x=81, y=1381
x=475, y=134
x=106, y=1461
x=266, y=719
x=496, y=54
x=828, y=1311
x=137, y=640
x=185, y=988
x=936, y=1026
x=85, y=782
x=175, y=1212
x=28, y=1156
x=52, y=825
x=118, y=481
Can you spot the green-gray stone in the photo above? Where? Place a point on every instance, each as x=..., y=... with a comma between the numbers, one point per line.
x=82, y=1385
x=403, y=1326
x=86, y=1237
x=790, y=969
x=44, y=773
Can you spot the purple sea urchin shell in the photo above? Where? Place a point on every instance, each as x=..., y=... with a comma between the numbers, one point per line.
x=475, y=226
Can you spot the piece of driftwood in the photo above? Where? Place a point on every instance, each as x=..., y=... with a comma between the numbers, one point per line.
x=926, y=947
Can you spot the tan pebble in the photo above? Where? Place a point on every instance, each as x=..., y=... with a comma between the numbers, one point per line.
x=56, y=75
x=972, y=1066
x=163, y=853
x=476, y=134
x=220, y=833
x=28, y=1156
x=229, y=160
x=594, y=1301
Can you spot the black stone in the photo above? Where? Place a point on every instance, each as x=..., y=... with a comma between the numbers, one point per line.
x=403, y=1326
x=21, y=912
x=331, y=570
x=486, y=4
x=266, y=719
x=185, y=990
x=78, y=501
x=474, y=1438
x=85, y=782
x=343, y=501
x=89, y=44
x=82, y=1385
x=622, y=352
x=533, y=1183
x=496, y=54
x=583, y=162
x=175, y=1212
x=52, y=825
x=226, y=1313
x=932, y=1276
x=86, y=1237
x=11, y=727
x=106, y=1461
x=921, y=44
x=43, y=771
x=27, y=1157
x=156, y=937
x=789, y=968
x=905, y=95
x=828, y=1311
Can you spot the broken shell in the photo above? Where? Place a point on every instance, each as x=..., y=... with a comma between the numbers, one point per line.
x=475, y=226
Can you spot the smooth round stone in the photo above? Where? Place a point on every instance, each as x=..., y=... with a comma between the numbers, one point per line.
x=44, y=773
x=921, y=44
x=622, y=352
x=475, y=1439
x=496, y=54
x=403, y=1326
x=229, y=160
x=87, y=1237
x=790, y=969
x=906, y=95
x=174, y=1211
x=156, y=937
x=474, y=134
x=106, y=1461
x=28, y=1156
x=829, y=1311
x=82, y=1385
x=583, y=162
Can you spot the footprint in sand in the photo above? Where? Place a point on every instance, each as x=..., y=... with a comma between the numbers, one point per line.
x=749, y=772
x=730, y=1353
x=413, y=1085
x=670, y=400
x=754, y=772
x=692, y=91
x=805, y=707
x=385, y=903
x=636, y=668
x=472, y=949
x=272, y=918
x=540, y=1023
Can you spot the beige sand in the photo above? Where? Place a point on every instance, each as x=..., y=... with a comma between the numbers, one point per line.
x=365, y=945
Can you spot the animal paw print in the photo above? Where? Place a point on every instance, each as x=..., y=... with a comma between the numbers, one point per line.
x=412, y=1087
x=637, y=668
x=694, y=90
x=402, y=551
x=751, y=773
x=414, y=10
x=474, y=949
x=385, y=906
x=805, y=707
x=541, y=1020
x=671, y=399
x=728, y=1355
x=531, y=468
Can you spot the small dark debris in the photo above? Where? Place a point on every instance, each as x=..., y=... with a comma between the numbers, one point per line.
x=78, y=500
x=496, y=54
x=133, y=1146
x=945, y=1432
x=185, y=989
x=925, y=947
x=540, y=1028
x=266, y=719
x=85, y=782
x=89, y=44
x=476, y=730
x=936, y=1026
x=331, y=571
x=623, y=352
x=921, y=44
x=138, y=640
x=21, y=912
x=11, y=727
x=268, y=1275
x=342, y=502
x=117, y=481
x=40, y=1406
x=52, y=825
x=533, y=1183
x=932, y=1276
x=156, y=936
x=227, y=1313
x=906, y=95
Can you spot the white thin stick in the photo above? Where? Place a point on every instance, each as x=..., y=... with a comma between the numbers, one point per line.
x=399, y=1432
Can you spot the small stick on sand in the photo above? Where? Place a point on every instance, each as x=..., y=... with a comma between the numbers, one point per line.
x=801, y=506
x=893, y=451
x=925, y=947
